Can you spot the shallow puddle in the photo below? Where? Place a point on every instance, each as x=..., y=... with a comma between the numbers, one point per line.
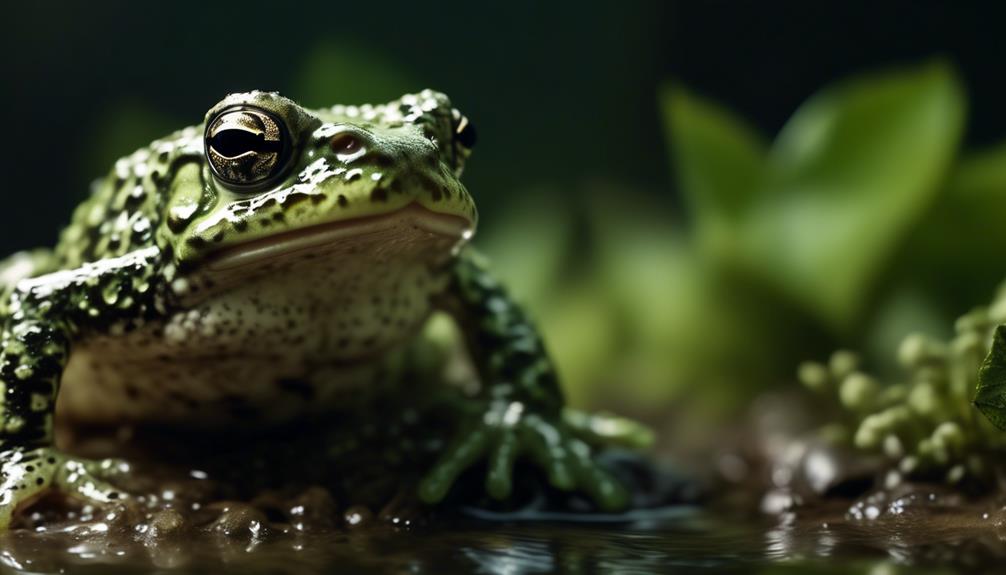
x=278, y=504
x=682, y=539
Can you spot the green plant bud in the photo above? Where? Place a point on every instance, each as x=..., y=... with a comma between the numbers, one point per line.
x=870, y=432
x=892, y=479
x=842, y=363
x=859, y=392
x=896, y=415
x=938, y=452
x=975, y=320
x=893, y=447
x=917, y=349
x=813, y=375
x=923, y=399
x=950, y=435
x=997, y=311
x=969, y=342
x=956, y=474
x=894, y=393
x=912, y=350
x=908, y=464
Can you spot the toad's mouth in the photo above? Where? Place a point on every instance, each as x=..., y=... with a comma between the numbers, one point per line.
x=410, y=222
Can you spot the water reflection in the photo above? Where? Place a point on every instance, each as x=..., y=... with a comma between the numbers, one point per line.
x=476, y=547
x=512, y=556
x=831, y=541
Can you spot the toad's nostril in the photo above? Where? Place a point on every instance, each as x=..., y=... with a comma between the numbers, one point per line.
x=347, y=147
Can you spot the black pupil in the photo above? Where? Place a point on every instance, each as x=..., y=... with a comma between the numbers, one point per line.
x=466, y=137
x=233, y=143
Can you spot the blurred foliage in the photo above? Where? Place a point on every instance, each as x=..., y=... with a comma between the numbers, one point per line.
x=819, y=212
x=855, y=225
x=923, y=420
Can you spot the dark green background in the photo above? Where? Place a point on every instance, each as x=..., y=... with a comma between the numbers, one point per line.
x=562, y=93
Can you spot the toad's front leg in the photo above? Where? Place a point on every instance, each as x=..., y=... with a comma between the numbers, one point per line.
x=521, y=411
x=42, y=316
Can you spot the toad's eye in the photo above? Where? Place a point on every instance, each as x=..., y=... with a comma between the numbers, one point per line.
x=246, y=147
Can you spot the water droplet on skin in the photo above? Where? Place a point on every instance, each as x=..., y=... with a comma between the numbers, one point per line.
x=122, y=169
x=181, y=214
x=111, y=293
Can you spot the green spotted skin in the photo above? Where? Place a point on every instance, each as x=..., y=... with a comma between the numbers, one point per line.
x=261, y=267
x=503, y=339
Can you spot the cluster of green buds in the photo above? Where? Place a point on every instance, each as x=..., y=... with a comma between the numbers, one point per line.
x=926, y=423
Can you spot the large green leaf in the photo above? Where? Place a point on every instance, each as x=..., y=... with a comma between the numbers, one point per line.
x=529, y=244
x=719, y=162
x=990, y=397
x=850, y=173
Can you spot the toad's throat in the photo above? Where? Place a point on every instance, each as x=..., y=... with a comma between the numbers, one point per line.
x=310, y=239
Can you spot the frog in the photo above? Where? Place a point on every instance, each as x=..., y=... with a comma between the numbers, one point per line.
x=261, y=267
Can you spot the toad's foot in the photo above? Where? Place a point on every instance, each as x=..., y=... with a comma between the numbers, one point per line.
x=557, y=445
x=26, y=474
x=608, y=430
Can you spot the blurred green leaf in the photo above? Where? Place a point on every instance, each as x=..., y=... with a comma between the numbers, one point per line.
x=582, y=336
x=682, y=320
x=852, y=170
x=719, y=165
x=529, y=242
x=906, y=308
x=949, y=251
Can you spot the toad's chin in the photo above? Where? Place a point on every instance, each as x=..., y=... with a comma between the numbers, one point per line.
x=412, y=232
x=411, y=223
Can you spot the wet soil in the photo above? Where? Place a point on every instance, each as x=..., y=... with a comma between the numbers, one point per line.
x=337, y=496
